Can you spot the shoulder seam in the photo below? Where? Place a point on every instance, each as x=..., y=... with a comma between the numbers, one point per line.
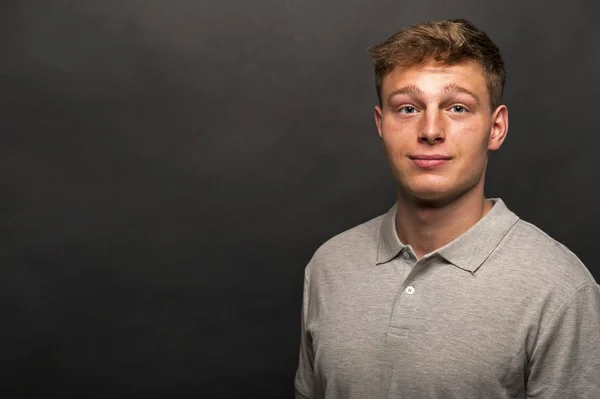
x=567, y=300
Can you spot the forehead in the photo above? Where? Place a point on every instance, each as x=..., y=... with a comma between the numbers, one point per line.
x=432, y=76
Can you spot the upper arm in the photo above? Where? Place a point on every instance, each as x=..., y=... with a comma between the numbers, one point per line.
x=304, y=379
x=565, y=362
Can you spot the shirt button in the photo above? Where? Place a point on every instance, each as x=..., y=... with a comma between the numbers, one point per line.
x=406, y=256
x=410, y=290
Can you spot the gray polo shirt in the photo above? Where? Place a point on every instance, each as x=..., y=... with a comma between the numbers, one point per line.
x=503, y=311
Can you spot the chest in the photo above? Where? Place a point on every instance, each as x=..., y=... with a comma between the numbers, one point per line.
x=404, y=334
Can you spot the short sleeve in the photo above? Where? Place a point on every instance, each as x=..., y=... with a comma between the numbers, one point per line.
x=303, y=382
x=565, y=362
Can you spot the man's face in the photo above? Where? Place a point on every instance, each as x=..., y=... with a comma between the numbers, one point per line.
x=443, y=112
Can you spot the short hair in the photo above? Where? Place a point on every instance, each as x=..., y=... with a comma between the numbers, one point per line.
x=448, y=41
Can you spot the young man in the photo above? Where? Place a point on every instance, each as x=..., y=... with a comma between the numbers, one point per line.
x=448, y=294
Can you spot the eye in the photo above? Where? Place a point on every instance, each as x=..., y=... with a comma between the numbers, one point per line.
x=459, y=109
x=407, y=110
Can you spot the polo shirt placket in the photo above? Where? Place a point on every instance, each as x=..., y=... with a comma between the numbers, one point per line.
x=412, y=333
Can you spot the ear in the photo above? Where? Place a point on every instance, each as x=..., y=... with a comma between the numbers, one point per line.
x=378, y=116
x=499, y=128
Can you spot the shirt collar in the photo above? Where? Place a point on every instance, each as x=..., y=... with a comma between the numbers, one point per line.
x=468, y=251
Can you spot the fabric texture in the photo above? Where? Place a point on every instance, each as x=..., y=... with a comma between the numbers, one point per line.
x=502, y=311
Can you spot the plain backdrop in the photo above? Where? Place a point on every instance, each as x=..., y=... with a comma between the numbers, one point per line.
x=168, y=168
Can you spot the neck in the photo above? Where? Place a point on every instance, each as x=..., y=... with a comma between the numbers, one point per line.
x=427, y=227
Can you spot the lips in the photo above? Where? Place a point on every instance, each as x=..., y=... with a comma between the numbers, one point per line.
x=429, y=161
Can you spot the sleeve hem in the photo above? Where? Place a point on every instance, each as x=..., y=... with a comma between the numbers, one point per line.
x=301, y=392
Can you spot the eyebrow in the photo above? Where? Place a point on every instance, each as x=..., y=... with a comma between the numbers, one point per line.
x=449, y=88
x=454, y=88
x=408, y=89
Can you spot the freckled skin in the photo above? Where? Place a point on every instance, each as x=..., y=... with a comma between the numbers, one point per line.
x=437, y=116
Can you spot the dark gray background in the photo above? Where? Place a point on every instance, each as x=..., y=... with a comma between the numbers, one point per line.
x=169, y=167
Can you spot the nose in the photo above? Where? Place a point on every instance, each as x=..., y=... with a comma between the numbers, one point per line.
x=432, y=129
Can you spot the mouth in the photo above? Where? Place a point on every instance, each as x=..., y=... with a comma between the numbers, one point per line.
x=429, y=161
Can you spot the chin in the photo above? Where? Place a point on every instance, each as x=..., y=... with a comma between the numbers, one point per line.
x=431, y=195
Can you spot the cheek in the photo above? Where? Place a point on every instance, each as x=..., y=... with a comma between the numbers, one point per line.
x=396, y=134
x=471, y=141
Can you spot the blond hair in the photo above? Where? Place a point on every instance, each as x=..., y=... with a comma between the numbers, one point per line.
x=450, y=42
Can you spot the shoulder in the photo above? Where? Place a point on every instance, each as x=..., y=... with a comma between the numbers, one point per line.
x=546, y=260
x=349, y=246
x=363, y=236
